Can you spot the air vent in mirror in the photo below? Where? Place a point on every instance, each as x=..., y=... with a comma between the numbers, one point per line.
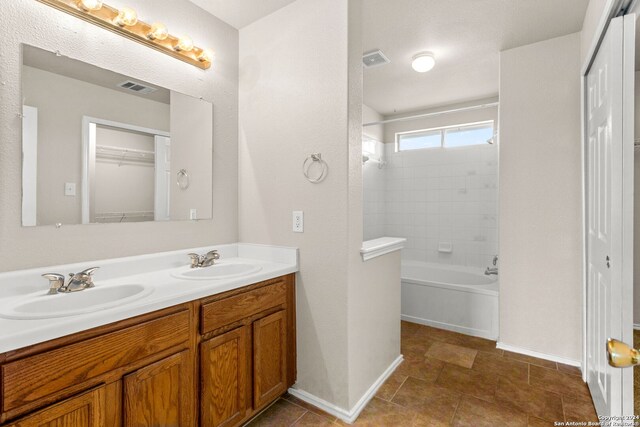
x=136, y=87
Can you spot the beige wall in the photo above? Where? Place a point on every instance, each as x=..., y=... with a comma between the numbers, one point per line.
x=374, y=286
x=299, y=94
x=62, y=102
x=370, y=115
x=123, y=186
x=293, y=102
x=540, y=198
x=36, y=246
x=191, y=150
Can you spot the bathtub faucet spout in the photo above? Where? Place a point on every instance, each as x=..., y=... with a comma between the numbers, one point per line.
x=491, y=271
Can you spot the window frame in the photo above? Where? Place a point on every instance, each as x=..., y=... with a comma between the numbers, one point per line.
x=442, y=130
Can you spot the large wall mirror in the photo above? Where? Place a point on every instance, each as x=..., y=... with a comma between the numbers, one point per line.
x=102, y=147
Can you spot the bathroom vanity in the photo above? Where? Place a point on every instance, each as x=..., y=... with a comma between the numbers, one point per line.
x=207, y=352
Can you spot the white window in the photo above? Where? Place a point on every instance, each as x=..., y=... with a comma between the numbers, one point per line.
x=446, y=137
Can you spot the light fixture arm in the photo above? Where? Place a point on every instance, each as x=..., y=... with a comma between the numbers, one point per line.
x=122, y=22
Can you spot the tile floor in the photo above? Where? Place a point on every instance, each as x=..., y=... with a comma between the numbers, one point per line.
x=449, y=379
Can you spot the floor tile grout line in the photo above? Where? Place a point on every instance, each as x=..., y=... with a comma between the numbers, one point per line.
x=300, y=417
x=398, y=389
x=453, y=417
x=309, y=410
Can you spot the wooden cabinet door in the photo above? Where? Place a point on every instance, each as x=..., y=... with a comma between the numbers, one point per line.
x=160, y=394
x=85, y=410
x=224, y=368
x=269, y=358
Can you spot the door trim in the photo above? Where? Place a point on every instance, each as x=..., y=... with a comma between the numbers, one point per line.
x=628, y=130
x=89, y=155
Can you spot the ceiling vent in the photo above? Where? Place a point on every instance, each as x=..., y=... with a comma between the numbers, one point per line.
x=136, y=87
x=374, y=59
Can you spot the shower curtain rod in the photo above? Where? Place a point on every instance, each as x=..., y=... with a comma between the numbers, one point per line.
x=436, y=113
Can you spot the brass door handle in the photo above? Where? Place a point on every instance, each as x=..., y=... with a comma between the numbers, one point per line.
x=621, y=355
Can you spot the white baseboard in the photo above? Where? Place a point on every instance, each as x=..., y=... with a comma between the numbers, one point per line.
x=636, y=326
x=348, y=416
x=514, y=349
x=480, y=333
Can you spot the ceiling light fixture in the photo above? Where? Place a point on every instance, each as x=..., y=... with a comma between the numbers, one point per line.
x=423, y=62
x=125, y=22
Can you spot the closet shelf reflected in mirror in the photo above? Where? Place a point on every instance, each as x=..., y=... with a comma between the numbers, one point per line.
x=121, y=154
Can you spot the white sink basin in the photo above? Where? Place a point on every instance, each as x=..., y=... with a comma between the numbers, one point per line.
x=217, y=271
x=45, y=306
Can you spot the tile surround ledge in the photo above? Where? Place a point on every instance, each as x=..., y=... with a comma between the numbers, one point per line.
x=381, y=246
x=152, y=270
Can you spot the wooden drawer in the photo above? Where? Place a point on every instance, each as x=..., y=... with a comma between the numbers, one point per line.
x=232, y=309
x=32, y=378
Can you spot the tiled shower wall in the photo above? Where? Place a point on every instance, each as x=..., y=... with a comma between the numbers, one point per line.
x=444, y=196
x=437, y=196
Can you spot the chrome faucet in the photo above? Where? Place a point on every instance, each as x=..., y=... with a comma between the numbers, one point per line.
x=77, y=281
x=492, y=270
x=206, y=260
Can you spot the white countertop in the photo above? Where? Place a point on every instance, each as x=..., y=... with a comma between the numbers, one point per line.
x=153, y=271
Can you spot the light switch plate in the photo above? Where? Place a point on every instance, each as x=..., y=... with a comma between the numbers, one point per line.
x=69, y=188
x=193, y=214
x=298, y=222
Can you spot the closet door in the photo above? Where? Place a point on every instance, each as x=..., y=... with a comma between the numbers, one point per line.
x=609, y=214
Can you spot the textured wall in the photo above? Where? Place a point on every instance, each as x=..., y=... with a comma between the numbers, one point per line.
x=374, y=286
x=541, y=198
x=30, y=22
x=300, y=93
x=293, y=102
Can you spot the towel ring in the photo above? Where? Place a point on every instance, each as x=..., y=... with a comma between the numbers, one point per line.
x=183, y=179
x=315, y=158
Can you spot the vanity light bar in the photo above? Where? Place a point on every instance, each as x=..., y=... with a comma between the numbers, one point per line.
x=126, y=23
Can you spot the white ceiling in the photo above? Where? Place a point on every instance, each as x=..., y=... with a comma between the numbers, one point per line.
x=240, y=13
x=466, y=37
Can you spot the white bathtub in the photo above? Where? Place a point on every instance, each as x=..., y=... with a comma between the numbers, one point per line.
x=460, y=299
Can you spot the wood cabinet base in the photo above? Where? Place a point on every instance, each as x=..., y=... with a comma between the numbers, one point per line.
x=211, y=362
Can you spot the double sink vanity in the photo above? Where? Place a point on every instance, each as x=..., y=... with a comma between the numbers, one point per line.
x=152, y=340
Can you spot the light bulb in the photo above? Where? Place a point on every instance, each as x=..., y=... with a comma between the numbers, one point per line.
x=127, y=17
x=423, y=62
x=185, y=44
x=89, y=5
x=206, y=56
x=158, y=31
